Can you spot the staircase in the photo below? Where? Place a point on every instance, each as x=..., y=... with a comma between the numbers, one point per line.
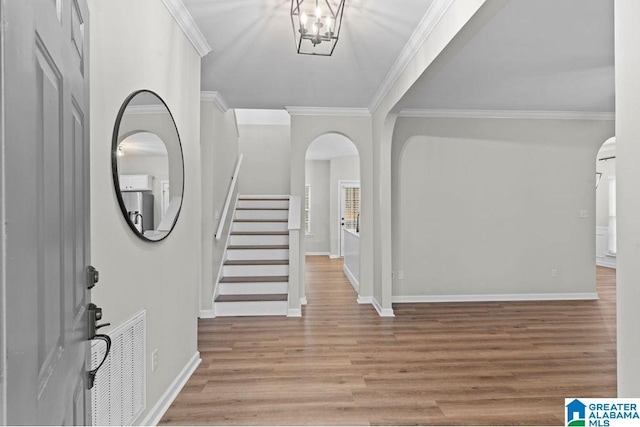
x=255, y=274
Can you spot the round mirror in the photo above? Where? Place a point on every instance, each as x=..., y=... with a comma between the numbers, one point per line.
x=148, y=169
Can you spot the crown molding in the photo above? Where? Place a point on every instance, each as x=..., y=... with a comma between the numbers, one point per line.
x=507, y=114
x=145, y=109
x=328, y=111
x=185, y=21
x=424, y=29
x=215, y=97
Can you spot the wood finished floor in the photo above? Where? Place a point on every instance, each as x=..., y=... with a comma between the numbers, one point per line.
x=504, y=363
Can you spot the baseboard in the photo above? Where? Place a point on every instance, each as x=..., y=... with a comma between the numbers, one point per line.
x=351, y=277
x=383, y=312
x=317, y=254
x=493, y=297
x=155, y=414
x=303, y=301
x=334, y=256
x=294, y=312
x=207, y=314
x=606, y=261
x=365, y=300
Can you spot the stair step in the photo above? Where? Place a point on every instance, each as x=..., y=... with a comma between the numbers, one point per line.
x=258, y=247
x=260, y=220
x=254, y=279
x=252, y=297
x=257, y=262
x=259, y=233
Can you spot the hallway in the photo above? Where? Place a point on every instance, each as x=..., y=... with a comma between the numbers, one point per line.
x=446, y=364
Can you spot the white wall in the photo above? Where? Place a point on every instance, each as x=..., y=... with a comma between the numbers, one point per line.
x=219, y=145
x=266, y=163
x=317, y=176
x=490, y=207
x=342, y=169
x=138, y=45
x=627, y=57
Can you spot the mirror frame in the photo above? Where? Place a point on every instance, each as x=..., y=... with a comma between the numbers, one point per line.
x=114, y=164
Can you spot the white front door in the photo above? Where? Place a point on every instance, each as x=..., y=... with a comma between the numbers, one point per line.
x=45, y=196
x=349, y=209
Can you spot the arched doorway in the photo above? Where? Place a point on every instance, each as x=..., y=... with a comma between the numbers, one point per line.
x=332, y=202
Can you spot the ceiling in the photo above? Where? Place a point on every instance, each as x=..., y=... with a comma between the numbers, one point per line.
x=254, y=63
x=538, y=55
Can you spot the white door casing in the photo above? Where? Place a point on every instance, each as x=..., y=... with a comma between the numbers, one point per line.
x=342, y=193
x=45, y=199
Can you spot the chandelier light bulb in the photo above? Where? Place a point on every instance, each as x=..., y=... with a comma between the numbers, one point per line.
x=328, y=23
x=318, y=13
x=303, y=19
x=315, y=29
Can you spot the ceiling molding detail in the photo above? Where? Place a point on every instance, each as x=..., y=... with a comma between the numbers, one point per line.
x=507, y=114
x=424, y=29
x=217, y=98
x=328, y=111
x=146, y=109
x=188, y=25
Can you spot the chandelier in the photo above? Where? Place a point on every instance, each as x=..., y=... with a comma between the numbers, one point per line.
x=316, y=25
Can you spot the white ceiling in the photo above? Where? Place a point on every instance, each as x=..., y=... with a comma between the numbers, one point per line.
x=143, y=144
x=540, y=55
x=329, y=146
x=254, y=63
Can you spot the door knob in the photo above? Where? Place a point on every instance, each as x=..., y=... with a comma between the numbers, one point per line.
x=95, y=314
x=92, y=276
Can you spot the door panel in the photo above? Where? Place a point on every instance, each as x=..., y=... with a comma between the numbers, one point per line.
x=46, y=197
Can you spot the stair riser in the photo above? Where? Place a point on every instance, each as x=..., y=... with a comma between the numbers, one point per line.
x=259, y=240
x=247, y=254
x=253, y=308
x=278, y=204
x=260, y=226
x=258, y=288
x=255, y=270
x=262, y=214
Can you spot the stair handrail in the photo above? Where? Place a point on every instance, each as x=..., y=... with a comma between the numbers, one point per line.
x=227, y=203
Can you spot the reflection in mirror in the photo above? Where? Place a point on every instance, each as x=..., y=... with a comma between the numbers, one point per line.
x=147, y=166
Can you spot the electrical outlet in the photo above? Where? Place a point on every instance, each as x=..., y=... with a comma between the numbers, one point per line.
x=400, y=274
x=554, y=273
x=584, y=213
x=154, y=360
x=216, y=215
x=393, y=274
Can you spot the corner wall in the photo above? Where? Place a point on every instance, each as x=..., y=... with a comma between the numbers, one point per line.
x=138, y=45
x=627, y=57
x=219, y=155
x=487, y=208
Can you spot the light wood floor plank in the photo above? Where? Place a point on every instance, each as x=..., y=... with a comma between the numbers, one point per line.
x=501, y=363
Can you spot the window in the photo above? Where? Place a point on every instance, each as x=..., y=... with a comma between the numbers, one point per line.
x=351, y=208
x=613, y=241
x=307, y=209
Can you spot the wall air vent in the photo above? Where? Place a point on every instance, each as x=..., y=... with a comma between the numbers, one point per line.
x=118, y=396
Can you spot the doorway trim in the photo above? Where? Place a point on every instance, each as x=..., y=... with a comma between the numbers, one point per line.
x=342, y=184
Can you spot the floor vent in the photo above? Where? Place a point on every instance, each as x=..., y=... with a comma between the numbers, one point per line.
x=118, y=396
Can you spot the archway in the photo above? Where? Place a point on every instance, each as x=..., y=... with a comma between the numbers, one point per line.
x=332, y=202
x=606, y=242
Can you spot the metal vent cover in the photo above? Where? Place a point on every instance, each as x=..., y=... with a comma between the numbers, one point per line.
x=118, y=396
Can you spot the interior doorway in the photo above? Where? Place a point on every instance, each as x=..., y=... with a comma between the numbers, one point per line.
x=606, y=230
x=349, y=211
